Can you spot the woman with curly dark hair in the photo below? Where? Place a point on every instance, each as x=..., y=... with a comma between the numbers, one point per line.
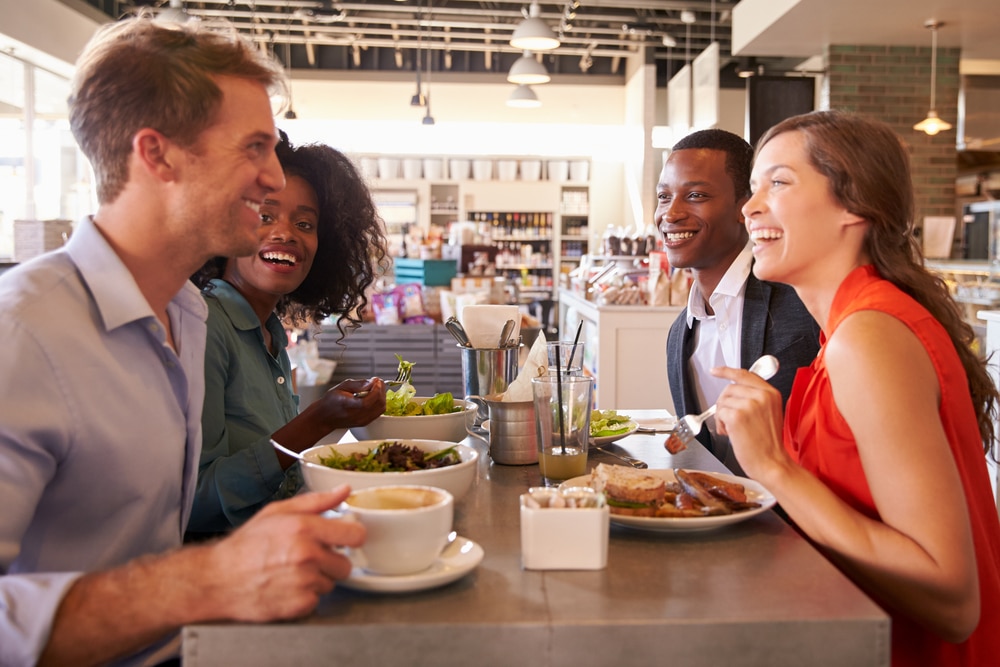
x=321, y=245
x=880, y=459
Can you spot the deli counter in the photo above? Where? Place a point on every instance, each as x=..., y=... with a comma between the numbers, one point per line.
x=626, y=350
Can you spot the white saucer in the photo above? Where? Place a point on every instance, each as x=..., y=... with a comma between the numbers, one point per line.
x=461, y=557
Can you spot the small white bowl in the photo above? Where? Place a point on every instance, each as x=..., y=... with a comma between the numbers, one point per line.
x=455, y=479
x=448, y=428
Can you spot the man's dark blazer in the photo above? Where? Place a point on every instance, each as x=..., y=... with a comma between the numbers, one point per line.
x=774, y=322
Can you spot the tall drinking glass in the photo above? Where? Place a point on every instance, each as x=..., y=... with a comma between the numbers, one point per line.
x=562, y=418
x=567, y=354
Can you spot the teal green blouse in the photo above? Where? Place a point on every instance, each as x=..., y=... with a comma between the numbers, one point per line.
x=248, y=396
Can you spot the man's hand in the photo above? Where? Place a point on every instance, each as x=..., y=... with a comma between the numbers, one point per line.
x=280, y=562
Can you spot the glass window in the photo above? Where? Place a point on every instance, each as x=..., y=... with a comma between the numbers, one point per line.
x=62, y=182
x=13, y=148
x=43, y=174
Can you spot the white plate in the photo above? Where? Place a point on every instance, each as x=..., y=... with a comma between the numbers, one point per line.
x=659, y=424
x=755, y=493
x=607, y=439
x=461, y=557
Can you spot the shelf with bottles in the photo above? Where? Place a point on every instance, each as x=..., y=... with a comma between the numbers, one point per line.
x=523, y=255
x=444, y=201
x=514, y=225
x=530, y=281
x=574, y=241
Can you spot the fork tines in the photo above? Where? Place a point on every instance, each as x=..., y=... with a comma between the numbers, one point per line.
x=679, y=439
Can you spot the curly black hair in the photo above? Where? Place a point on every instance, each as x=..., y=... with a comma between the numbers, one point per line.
x=352, y=247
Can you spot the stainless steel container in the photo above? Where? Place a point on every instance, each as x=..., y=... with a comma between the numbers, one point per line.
x=488, y=371
x=511, y=432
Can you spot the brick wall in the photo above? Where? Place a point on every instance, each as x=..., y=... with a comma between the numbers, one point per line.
x=892, y=83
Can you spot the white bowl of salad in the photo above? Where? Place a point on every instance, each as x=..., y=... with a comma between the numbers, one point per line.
x=446, y=465
x=438, y=417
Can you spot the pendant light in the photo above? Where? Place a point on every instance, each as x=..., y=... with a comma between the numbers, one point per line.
x=932, y=124
x=533, y=34
x=174, y=13
x=418, y=99
x=523, y=97
x=290, y=114
x=428, y=118
x=528, y=71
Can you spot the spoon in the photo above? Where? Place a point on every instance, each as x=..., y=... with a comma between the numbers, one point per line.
x=508, y=329
x=765, y=367
x=285, y=450
x=689, y=426
x=457, y=331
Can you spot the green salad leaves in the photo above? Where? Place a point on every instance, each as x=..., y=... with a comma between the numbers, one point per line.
x=608, y=422
x=392, y=456
x=400, y=403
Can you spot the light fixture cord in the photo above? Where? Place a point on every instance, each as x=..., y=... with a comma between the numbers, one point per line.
x=933, y=64
x=712, y=23
x=288, y=52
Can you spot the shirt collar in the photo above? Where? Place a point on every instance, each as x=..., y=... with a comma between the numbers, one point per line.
x=116, y=295
x=730, y=286
x=239, y=311
x=235, y=305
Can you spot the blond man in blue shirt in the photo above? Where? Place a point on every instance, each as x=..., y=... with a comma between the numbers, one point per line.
x=101, y=372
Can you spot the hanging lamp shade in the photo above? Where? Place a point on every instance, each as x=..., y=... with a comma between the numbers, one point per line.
x=174, y=13
x=933, y=123
x=534, y=34
x=528, y=71
x=523, y=97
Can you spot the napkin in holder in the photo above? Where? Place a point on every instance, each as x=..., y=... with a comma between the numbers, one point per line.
x=537, y=364
x=564, y=529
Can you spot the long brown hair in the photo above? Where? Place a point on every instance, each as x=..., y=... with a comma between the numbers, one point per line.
x=869, y=173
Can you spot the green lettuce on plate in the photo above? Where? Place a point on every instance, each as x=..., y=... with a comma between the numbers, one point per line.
x=400, y=403
x=608, y=422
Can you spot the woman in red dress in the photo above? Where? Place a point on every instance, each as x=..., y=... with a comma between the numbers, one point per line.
x=880, y=457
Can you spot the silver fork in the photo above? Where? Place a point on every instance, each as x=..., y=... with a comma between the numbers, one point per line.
x=690, y=425
x=402, y=377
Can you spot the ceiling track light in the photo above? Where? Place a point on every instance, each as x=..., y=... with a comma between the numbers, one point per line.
x=933, y=124
x=528, y=71
x=534, y=34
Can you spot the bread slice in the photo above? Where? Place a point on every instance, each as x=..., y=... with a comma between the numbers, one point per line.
x=627, y=490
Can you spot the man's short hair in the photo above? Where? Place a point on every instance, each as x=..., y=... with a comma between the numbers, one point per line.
x=138, y=73
x=739, y=154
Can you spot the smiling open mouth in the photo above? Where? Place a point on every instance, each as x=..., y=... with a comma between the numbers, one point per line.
x=280, y=258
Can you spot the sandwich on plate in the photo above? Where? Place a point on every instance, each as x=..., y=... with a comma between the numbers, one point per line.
x=629, y=491
x=691, y=493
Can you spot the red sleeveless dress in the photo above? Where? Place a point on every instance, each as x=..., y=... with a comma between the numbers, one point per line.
x=820, y=440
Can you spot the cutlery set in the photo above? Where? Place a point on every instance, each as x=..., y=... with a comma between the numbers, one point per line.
x=458, y=332
x=690, y=425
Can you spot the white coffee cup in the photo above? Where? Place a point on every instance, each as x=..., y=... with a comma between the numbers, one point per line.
x=407, y=525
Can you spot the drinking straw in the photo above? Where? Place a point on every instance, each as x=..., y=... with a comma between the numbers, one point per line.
x=572, y=350
x=559, y=414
